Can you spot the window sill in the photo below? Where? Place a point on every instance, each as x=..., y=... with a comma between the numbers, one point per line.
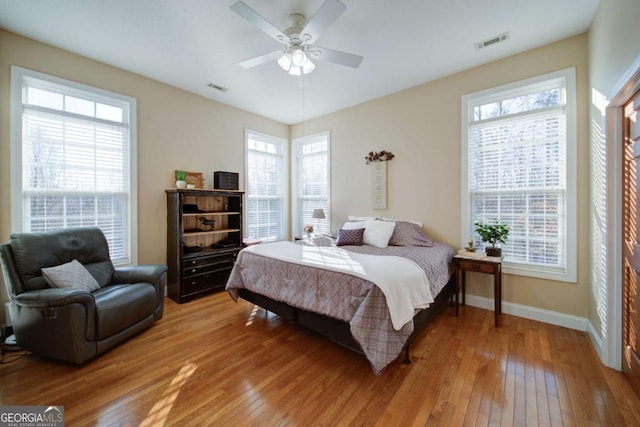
x=559, y=275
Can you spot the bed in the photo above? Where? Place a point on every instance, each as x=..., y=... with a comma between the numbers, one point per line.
x=347, y=289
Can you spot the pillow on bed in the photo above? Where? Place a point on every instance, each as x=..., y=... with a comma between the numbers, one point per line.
x=353, y=225
x=419, y=223
x=350, y=237
x=360, y=218
x=350, y=225
x=409, y=234
x=377, y=232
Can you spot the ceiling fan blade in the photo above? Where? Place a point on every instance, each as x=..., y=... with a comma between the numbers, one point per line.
x=323, y=18
x=252, y=62
x=256, y=19
x=337, y=57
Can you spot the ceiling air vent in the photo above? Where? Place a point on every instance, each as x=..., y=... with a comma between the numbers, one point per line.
x=493, y=40
x=216, y=87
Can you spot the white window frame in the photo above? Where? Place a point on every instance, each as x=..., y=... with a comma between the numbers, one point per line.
x=569, y=272
x=298, y=143
x=283, y=186
x=18, y=74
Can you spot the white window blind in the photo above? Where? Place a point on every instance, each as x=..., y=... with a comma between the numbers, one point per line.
x=311, y=178
x=266, y=185
x=75, y=149
x=518, y=171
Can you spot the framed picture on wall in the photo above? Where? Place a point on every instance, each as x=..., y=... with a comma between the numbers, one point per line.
x=379, y=184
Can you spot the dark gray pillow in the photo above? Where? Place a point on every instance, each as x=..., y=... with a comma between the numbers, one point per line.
x=409, y=234
x=351, y=237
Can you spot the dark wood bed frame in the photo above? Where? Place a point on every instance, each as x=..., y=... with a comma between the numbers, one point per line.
x=338, y=330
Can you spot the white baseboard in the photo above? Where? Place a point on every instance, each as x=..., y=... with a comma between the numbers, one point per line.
x=597, y=343
x=533, y=313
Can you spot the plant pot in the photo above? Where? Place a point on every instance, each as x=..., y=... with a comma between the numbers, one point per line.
x=491, y=251
x=191, y=186
x=181, y=184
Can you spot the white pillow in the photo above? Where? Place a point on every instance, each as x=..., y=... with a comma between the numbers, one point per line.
x=364, y=218
x=353, y=225
x=360, y=218
x=377, y=233
x=72, y=275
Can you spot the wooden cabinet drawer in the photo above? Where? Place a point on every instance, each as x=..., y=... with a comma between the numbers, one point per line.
x=199, y=261
x=206, y=281
x=197, y=267
x=476, y=266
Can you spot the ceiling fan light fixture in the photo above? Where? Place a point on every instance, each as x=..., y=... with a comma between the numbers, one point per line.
x=308, y=67
x=298, y=58
x=298, y=39
x=285, y=61
x=295, y=71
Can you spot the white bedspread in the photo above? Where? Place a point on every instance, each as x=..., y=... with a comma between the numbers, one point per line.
x=402, y=281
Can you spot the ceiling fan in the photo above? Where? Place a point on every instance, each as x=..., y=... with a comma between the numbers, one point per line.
x=298, y=40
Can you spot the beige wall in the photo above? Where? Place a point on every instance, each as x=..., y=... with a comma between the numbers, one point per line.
x=613, y=50
x=422, y=126
x=176, y=130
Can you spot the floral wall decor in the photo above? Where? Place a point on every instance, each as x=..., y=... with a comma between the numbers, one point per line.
x=379, y=156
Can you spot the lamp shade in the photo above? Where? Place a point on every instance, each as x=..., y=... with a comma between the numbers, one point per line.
x=295, y=71
x=285, y=61
x=298, y=58
x=308, y=67
x=318, y=214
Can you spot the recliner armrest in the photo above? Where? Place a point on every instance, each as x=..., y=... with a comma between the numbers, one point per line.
x=156, y=275
x=54, y=297
x=48, y=307
x=139, y=273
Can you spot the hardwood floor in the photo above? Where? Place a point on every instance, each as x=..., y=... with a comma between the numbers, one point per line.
x=214, y=362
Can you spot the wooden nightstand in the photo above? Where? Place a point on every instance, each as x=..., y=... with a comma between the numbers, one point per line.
x=487, y=265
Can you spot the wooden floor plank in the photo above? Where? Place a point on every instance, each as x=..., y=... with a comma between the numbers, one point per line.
x=215, y=362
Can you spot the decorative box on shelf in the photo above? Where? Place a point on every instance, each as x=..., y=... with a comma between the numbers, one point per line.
x=226, y=180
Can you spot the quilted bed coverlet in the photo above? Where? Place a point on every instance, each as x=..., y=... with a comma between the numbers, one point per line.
x=331, y=292
x=386, y=272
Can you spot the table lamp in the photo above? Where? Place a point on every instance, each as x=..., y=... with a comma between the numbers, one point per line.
x=318, y=214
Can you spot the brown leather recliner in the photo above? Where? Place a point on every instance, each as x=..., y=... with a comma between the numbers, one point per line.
x=70, y=324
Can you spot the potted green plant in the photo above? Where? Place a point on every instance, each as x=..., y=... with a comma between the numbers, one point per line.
x=493, y=233
x=181, y=177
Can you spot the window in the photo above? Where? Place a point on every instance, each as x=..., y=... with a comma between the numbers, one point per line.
x=73, y=159
x=518, y=156
x=266, y=186
x=311, y=182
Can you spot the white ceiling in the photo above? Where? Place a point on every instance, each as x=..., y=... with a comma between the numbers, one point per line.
x=189, y=43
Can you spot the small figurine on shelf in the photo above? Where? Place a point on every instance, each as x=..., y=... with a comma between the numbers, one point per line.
x=470, y=248
x=209, y=223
